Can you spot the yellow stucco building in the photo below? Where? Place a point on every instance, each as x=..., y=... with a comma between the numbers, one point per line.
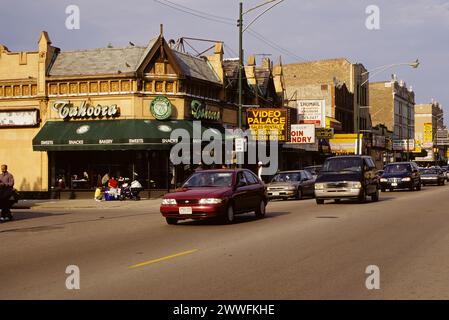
x=69, y=117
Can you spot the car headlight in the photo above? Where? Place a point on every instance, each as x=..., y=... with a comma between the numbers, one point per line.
x=408, y=179
x=210, y=201
x=383, y=180
x=319, y=186
x=169, y=201
x=355, y=185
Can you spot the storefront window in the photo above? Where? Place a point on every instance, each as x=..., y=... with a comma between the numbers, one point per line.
x=84, y=170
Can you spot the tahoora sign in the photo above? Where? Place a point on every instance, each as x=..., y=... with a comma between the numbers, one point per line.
x=302, y=133
x=67, y=110
x=268, y=123
x=312, y=112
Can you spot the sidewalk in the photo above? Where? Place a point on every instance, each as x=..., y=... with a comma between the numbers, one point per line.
x=83, y=204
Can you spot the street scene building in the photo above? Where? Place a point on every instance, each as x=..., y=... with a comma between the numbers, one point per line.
x=111, y=110
x=428, y=121
x=393, y=105
x=209, y=151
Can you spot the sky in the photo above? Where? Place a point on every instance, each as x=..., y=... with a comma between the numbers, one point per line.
x=297, y=30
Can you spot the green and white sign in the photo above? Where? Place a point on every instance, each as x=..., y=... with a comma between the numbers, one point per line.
x=161, y=108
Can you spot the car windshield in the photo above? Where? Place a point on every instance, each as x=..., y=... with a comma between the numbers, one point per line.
x=343, y=164
x=397, y=168
x=286, y=177
x=429, y=171
x=209, y=179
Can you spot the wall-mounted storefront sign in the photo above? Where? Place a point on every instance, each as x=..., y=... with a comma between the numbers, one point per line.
x=346, y=143
x=67, y=110
x=312, y=112
x=324, y=133
x=19, y=118
x=428, y=132
x=262, y=121
x=161, y=108
x=378, y=141
x=200, y=111
x=302, y=133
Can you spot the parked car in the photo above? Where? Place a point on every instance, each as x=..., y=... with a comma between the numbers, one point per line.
x=314, y=170
x=216, y=193
x=432, y=176
x=291, y=184
x=401, y=175
x=347, y=177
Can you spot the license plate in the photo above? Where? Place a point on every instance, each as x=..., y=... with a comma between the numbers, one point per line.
x=275, y=193
x=185, y=210
x=394, y=184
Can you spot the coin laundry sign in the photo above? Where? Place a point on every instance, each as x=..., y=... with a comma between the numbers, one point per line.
x=67, y=110
x=302, y=133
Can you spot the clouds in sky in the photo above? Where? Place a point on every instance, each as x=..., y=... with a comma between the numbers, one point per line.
x=307, y=29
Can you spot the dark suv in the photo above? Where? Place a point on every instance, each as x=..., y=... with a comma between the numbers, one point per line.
x=347, y=177
x=401, y=175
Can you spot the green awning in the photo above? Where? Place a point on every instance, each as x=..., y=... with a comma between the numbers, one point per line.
x=111, y=135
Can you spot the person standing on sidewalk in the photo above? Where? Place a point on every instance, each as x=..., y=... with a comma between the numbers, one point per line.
x=6, y=191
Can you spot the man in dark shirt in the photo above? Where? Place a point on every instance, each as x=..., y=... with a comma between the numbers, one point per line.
x=6, y=191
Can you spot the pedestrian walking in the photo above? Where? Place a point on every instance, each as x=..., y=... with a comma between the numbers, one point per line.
x=6, y=192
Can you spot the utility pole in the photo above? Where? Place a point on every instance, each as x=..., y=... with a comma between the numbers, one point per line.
x=240, y=25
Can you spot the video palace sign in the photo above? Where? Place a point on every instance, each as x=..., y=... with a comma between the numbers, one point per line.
x=67, y=110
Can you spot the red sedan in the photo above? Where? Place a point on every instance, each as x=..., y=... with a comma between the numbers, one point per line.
x=216, y=193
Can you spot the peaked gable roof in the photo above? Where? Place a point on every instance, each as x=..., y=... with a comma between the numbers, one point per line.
x=105, y=61
x=196, y=67
x=97, y=61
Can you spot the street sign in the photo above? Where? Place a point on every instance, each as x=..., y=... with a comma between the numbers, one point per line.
x=442, y=142
x=239, y=145
x=324, y=133
x=442, y=134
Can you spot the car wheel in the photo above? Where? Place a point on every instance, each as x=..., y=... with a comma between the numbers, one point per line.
x=337, y=200
x=171, y=221
x=383, y=189
x=319, y=201
x=375, y=197
x=261, y=210
x=299, y=194
x=362, y=196
x=229, y=216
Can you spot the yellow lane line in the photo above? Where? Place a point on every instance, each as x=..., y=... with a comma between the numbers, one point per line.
x=162, y=259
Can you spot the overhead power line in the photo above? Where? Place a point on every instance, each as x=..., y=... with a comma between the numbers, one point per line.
x=193, y=13
x=227, y=21
x=200, y=12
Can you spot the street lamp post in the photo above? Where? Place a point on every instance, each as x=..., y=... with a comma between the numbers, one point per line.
x=378, y=70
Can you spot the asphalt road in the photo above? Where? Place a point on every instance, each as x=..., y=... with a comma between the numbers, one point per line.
x=299, y=251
